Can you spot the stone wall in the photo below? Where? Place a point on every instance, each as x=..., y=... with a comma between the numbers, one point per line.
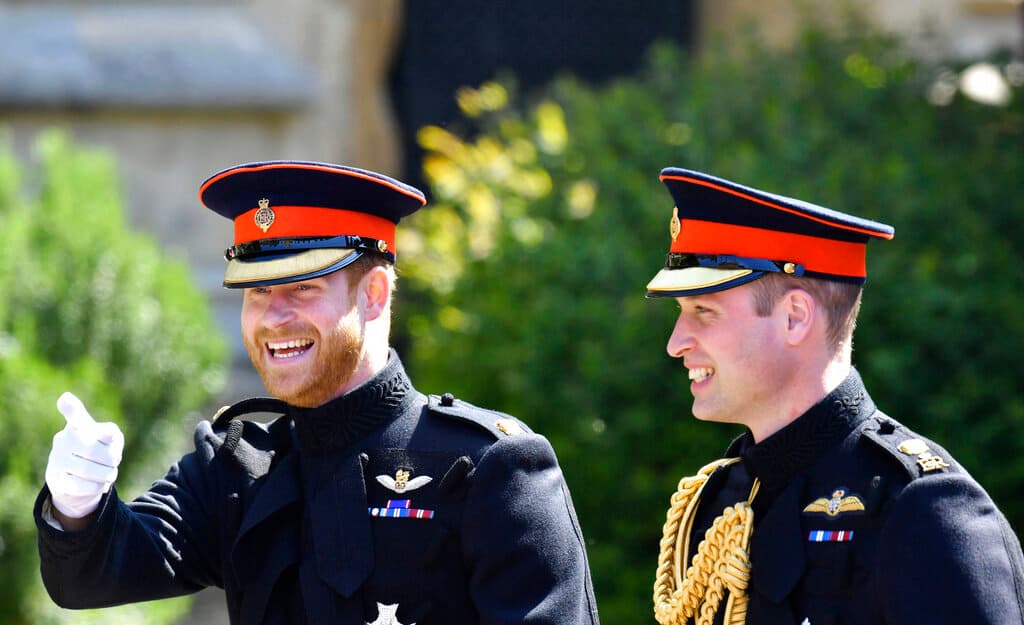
x=237, y=82
x=964, y=29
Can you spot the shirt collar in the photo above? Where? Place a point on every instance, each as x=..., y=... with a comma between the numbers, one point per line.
x=337, y=423
x=784, y=454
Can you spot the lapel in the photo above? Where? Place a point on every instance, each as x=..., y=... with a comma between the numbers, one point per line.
x=281, y=487
x=777, y=548
x=267, y=542
x=342, y=537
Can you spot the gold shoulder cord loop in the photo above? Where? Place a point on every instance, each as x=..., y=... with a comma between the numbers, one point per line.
x=720, y=563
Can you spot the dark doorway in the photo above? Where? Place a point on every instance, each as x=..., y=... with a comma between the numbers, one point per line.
x=447, y=44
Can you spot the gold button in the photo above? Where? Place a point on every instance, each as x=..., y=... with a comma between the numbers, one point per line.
x=508, y=426
x=913, y=447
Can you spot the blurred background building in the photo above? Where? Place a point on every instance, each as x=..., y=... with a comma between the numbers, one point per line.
x=179, y=90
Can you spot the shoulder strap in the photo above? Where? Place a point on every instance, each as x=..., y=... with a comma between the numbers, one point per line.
x=239, y=444
x=498, y=424
x=246, y=406
x=917, y=455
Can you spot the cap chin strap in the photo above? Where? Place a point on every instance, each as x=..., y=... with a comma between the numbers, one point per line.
x=722, y=560
x=676, y=260
x=272, y=247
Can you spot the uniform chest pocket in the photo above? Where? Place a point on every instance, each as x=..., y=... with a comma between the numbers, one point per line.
x=829, y=568
x=838, y=560
x=837, y=585
x=413, y=522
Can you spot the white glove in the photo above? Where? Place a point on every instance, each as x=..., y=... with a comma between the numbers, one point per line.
x=83, y=461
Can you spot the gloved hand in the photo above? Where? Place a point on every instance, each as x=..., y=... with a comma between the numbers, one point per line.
x=83, y=461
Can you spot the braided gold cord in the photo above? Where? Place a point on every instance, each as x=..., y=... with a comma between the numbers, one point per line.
x=721, y=561
x=682, y=505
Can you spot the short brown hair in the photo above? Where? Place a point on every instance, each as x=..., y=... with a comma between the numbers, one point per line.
x=841, y=301
x=362, y=265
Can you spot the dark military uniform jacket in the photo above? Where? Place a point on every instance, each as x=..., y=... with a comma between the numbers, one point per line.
x=382, y=506
x=859, y=521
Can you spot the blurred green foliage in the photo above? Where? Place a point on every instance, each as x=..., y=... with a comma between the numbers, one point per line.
x=87, y=306
x=524, y=281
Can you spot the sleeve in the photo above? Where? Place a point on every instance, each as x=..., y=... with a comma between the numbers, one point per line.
x=947, y=555
x=522, y=541
x=162, y=544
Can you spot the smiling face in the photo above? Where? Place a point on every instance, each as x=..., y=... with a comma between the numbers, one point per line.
x=306, y=339
x=737, y=362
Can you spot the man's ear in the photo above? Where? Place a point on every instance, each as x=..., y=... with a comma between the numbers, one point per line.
x=375, y=291
x=801, y=312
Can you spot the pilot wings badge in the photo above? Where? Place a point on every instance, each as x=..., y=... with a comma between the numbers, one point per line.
x=839, y=503
x=401, y=482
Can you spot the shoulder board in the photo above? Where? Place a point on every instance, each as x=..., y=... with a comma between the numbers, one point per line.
x=251, y=444
x=918, y=456
x=499, y=424
x=248, y=406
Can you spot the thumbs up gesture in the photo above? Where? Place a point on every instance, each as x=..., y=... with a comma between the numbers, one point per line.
x=83, y=461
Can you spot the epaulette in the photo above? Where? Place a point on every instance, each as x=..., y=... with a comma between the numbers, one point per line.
x=247, y=406
x=913, y=453
x=233, y=443
x=499, y=424
x=224, y=420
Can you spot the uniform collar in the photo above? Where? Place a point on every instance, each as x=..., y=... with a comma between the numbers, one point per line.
x=783, y=455
x=337, y=423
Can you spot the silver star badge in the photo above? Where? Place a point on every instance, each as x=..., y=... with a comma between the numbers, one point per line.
x=386, y=615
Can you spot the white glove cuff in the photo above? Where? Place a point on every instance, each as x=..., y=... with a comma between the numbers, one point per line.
x=78, y=509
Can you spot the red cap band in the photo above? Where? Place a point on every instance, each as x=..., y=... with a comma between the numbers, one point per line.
x=816, y=254
x=314, y=221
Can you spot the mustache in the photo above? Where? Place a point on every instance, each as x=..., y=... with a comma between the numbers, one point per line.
x=261, y=337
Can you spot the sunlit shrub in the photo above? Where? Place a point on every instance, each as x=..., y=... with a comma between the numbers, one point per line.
x=87, y=305
x=525, y=278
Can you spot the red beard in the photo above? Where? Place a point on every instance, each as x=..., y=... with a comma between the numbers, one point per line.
x=310, y=382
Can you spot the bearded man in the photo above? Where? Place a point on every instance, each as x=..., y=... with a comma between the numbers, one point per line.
x=365, y=501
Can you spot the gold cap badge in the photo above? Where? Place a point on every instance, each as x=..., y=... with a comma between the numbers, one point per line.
x=674, y=227
x=264, y=217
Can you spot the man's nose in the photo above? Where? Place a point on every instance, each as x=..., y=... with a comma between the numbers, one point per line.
x=681, y=340
x=279, y=310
